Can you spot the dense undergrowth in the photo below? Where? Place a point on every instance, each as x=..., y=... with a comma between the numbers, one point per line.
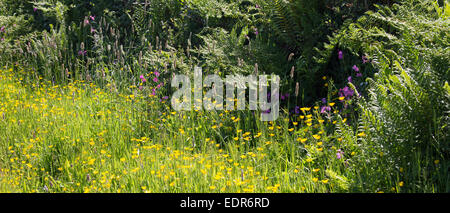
x=85, y=96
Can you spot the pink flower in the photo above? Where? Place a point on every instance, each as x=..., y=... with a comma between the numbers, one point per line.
x=155, y=79
x=355, y=68
x=2, y=29
x=35, y=9
x=339, y=154
x=92, y=18
x=142, y=78
x=156, y=73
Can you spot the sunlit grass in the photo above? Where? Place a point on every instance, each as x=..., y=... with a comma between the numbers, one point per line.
x=80, y=138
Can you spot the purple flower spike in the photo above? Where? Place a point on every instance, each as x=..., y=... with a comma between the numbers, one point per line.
x=355, y=68
x=340, y=55
x=349, y=79
x=82, y=52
